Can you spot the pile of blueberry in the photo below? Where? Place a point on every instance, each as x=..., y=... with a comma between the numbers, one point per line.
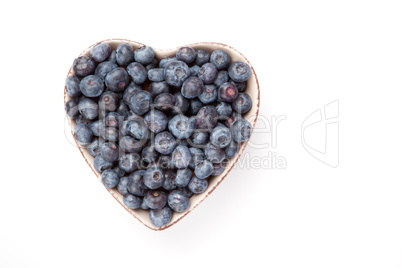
x=158, y=129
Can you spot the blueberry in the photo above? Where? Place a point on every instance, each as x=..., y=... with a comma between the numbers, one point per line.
x=113, y=119
x=186, y=54
x=187, y=191
x=208, y=73
x=222, y=77
x=149, y=154
x=181, y=156
x=100, y=52
x=194, y=70
x=144, y=55
x=241, y=87
x=242, y=104
x=227, y=92
x=129, y=91
x=169, y=183
x=207, y=117
x=97, y=127
x=110, y=134
x=117, y=79
x=136, y=184
x=181, y=126
x=129, y=162
x=241, y=130
x=199, y=138
x=119, y=171
x=140, y=102
x=81, y=119
x=218, y=168
x=197, y=155
x=232, y=149
x=154, y=177
x=73, y=86
x=183, y=177
x=103, y=68
x=182, y=142
x=209, y=94
x=221, y=59
x=137, y=72
x=109, y=101
x=201, y=56
x=109, y=178
x=160, y=217
x=239, y=71
x=83, y=134
x=192, y=87
x=132, y=201
x=178, y=201
x=164, y=143
x=156, y=74
x=203, y=169
x=143, y=205
x=213, y=153
x=83, y=66
x=224, y=110
x=195, y=106
x=165, y=162
x=137, y=128
x=112, y=57
x=164, y=102
x=124, y=54
x=181, y=104
x=123, y=184
x=156, y=121
x=91, y=86
x=176, y=72
x=165, y=61
x=156, y=88
x=122, y=110
x=154, y=64
x=100, y=164
x=71, y=108
x=232, y=119
x=130, y=145
x=197, y=186
x=220, y=136
x=109, y=151
x=94, y=147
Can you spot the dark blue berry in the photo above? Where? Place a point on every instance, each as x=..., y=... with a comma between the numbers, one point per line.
x=140, y=102
x=192, y=87
x=197, y=186
x=203, y=169
x=176, y=72
x=132, y=201
x=73, y=86
x=110, y=134
x=109, y=101
x=130, y=162
x=123, y=184
x=109, y=151
x=154, y=64
x=218, y=168
x=199, y=138
x=181, y=126
x=165, y=161
x=97, y=127
x=183, y=177
x=94, y=147
x=242, y=104
x=81, y=119
x=83, y=134
x=197, y=155
x=181, y=156
x=209, y=94
x=124, y=54
x=91, y=86
x=156, y=88
x=208, y=73
x=104, y=68
x=156, y=121
x=154, y=177
x=220, y=136
x=164, y=143
x=207, y=117
x=109, y=178
x=144, y=55
x=113, y=119
x=241, y=130
x=101, y=164
x=195, y=106
x=100, y=52
x=227, y=92
x=83, y=66
x=122, y=110
x=149, y=154
x=165, y=61
x=160, y=217
x=232, y=119
x=239, y=71
x=128, y=144
x=241, y=87
x=137, y=128
x=224, y=110
x=178, y=201
x=213, y=153
x=117, y=79
x=112, y=57
x=201, y=56
x=232, y=149
x=136, y=184
x=137, y=72
x=169, y=183
x=156, y=74
x=221, y=59
x=88, y=108
x=194, y=70
x=119, y=171
x=71, y=108
x=164, y=102
x=186, y=54
x=129, y=91
x=181, y=104
x=222, y=77
x=143, y=205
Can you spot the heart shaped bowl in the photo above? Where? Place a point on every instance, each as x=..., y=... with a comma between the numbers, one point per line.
x=252, y=89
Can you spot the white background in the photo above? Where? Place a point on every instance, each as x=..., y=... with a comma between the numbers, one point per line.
x=55, y=213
